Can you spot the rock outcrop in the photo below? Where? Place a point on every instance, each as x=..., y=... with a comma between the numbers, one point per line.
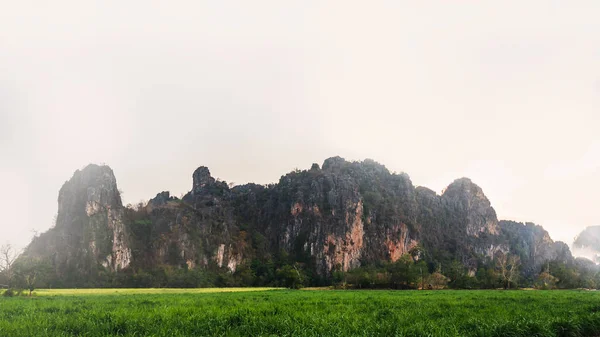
x=90, y=232
x=459, y=224
x=533, y=245
x=467, y=201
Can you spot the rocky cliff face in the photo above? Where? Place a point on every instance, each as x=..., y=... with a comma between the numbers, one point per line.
x=459, y=224
x=473, y=209
x=197, y=231
x=335, y=218
x=533, y=245
x=345, y=214
x=90, y=233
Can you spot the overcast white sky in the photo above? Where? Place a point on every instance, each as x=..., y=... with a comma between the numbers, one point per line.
x=504, y=92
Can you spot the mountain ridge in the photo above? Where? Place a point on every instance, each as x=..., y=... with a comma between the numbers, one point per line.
x=332, y=219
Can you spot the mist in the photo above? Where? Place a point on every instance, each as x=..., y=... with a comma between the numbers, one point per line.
x=436, y=90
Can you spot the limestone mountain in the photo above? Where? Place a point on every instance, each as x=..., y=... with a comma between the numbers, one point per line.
x=90, y=235
x=316, y=222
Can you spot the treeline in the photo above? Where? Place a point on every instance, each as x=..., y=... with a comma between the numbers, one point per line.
x=31, y=273
x=503, y=272
x=406, y=273
x=283, y=270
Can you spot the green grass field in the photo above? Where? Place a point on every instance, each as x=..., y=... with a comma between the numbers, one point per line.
x=138, y=291
x=237, y=312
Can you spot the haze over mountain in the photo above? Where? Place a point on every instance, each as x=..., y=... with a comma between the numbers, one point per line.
x=587, y=243
x=252, y=90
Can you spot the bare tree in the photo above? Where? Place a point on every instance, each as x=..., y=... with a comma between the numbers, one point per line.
x=8, y=255
x=30, y=279
x=508, y=268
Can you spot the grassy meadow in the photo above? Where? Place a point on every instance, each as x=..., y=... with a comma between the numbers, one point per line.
x=262, y=312
x=138, y=291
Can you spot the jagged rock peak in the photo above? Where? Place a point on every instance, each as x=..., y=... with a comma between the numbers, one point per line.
x=201, y=178
x=466, y=196
x=95, y=184
x=93, y=175
x=466, y=190
x=338, y=163
x=90, y=209
x=334, y=163
x=160, y=199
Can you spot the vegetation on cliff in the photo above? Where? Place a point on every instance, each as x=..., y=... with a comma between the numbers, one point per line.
x=349, y=224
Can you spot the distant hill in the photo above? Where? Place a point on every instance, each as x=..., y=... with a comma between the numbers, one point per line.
x=587, y=243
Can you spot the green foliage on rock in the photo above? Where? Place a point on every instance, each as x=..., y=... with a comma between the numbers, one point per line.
x=352, y=224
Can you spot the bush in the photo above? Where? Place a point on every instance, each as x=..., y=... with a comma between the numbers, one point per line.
x=9, y=293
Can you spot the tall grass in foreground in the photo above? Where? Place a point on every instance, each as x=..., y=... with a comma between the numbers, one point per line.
x=306, y=313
